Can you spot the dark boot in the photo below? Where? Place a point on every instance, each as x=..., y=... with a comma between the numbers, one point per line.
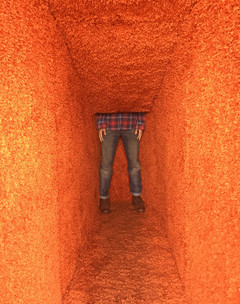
x=104, y=206
x=138, y=203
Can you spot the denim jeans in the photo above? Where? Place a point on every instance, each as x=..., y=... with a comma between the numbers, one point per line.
x=131, y=146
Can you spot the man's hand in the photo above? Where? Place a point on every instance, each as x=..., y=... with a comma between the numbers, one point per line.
x=139, y=132
x=100, y=134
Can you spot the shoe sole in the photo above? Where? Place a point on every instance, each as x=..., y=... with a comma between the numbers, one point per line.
x=105, y=211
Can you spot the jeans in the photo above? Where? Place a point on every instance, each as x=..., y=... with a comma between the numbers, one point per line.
x=131, y=146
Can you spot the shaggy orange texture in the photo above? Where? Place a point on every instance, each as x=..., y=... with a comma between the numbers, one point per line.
x=129, y=261
x=200, y=114
x=46, y=203
x=121, y=49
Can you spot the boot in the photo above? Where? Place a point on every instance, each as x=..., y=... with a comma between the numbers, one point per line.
x=138, y=203
x=104, y=206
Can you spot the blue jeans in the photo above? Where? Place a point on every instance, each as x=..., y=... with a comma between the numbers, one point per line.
x=131, y=146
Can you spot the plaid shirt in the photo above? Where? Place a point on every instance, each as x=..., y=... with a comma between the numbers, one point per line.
x=121, y=121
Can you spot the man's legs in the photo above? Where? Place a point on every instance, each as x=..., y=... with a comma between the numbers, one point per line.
x=131, y=145
x=109, y=146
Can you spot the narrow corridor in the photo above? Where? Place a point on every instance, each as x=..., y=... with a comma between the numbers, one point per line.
x=63, y=61
x=128, y=261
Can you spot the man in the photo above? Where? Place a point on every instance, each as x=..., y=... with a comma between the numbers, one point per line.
x=130, y=127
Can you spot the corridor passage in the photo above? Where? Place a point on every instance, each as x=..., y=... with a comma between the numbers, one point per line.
x=64, y=61
x=128, y=261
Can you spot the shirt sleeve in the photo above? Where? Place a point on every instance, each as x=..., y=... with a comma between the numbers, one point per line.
x=141, y=118
x=101, y=121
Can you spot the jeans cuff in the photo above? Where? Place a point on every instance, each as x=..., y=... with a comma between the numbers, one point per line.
x=136, y=194
x=104, y=197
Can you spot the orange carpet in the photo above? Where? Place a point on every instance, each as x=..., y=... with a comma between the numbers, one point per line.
x=128, y=261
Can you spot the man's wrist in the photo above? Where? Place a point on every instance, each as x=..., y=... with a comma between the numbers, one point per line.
x=140, y=128
x=99, y=127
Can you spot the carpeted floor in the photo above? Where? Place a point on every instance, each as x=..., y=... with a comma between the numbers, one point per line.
x=128, y=261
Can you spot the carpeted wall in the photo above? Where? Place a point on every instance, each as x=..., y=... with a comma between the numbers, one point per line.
x=46, y=158
x=199, y=114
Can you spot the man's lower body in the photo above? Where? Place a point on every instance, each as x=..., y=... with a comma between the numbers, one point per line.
x=131, y=146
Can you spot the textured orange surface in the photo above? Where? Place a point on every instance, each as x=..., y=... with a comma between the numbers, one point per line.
x=199, y=110
x=120, y=56
x=128, y=261
x=61, y=62
x=46, y=202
